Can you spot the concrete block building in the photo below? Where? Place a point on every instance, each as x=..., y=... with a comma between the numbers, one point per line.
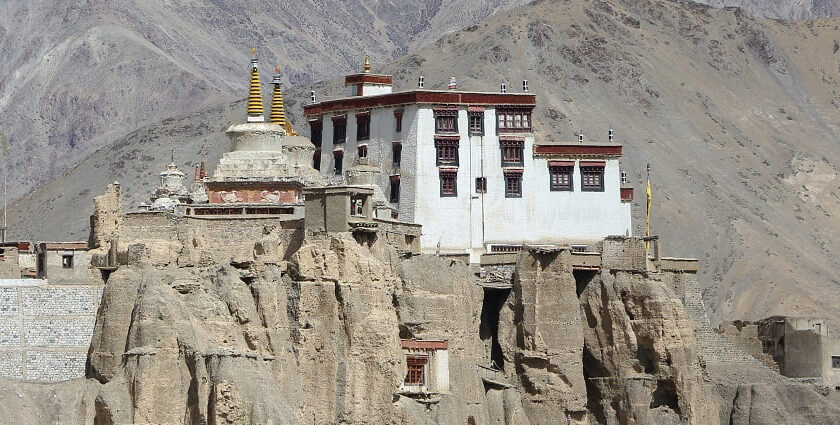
x=469, y=168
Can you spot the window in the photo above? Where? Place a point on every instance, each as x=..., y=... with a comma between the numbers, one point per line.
x=315, y=129
x=395, y=189
x=363, y=126
x=835, y=362
x=416, y=370
x=561, y=175
x=511, y=152
x=316, y=160
x=513, y=184
x=398, y=114
x=447, y=151
x=339, y=129
x=362, y=151
x=357, y=205
x=481, y=185
x=397, y=153
x=67, y=261
x=592, y=178
x=338, y=166
x=446, y=121
x=448, y=186
x=514, y=120
x=476, y=124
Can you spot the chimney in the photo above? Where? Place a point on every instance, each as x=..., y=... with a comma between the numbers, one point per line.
x=420, y=82
x=612, y=136
x=624, y=177
x=580, y=137
x=525, y=86
x=453, y=83
x=312, y=95
x=503, y=88
x=203, y=171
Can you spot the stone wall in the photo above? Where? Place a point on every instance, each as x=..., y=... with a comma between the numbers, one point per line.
x=45, y=330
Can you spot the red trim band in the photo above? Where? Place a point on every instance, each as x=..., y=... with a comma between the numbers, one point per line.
x=523, y=101
x=369, y=79
x=577, y=150
x=424, y=345
x=593, y=164
x=561, y=163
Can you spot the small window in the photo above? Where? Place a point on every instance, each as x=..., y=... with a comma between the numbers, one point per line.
x=416, y=370
x=67, y=261
x=481, y=185
x=446, y=121
x=835, y=362
x=363, y=151
x=511, y=152
x=357, y=204
x=447, y=151
x=316, y=160
x=513, y=185
x=338, y=166
x=592, y=179
x=514, y=120
x=339, y=130
x=398, y=114
x=363, y=126
x=561, y=178
x=476, y=124
x=316, y=129
x=397, y=153
x=448, y=186
x=395, y=189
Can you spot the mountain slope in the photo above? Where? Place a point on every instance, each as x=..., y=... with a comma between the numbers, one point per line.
x=75, y=75
x=782, y=9
x=738, y=118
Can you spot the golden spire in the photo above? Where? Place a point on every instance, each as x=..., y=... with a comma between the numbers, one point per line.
x=255, y=104
x=367, y=64
x=278, y=111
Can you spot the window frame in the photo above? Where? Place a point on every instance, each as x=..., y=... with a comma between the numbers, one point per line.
x=446, y=115
x=481, y=185
x=363, y=126
x=837, y=363
x=338, y=162
x=67, y=261
x=396, y=153
x=446, y=151
x=515, y=147
x=416, y=370
x=472, y=117
x=339, y=122
x=514, y=120
x=557, y=170
x=398, y=117
x=394, y=192
x=512, y=176
x=316, y=132
x=362, y=150
x=589, y=170
x=448, y=175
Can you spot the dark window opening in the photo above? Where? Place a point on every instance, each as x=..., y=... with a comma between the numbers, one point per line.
x=592, y=179
x=363, y=151
x=561, y=178
x=514, y=120
x=416, y=369
x=447, y=151
x=395, y=189
x=339, y=131
x=476, y=124
x=363, y=127
x=511, y=152
x=446, y=121
x=582, y=279
x=448, y=185
x=835, y=362
x=513, y=185
x=481, y=185
x=316, y=160
x=338, y=166
x=67, y=261
x=398, y=119
x=397, y=154
x=316, y=129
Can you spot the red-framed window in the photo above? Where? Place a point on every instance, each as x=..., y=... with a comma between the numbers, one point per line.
x=476, y=123
x=448, y=183
x=513, y=184
x=592, y=178
x=447, y=151
x=446, y=121
x=416, y=370
x=560, y=175
x=398, y=115
x=513, y=120
x=511, y=152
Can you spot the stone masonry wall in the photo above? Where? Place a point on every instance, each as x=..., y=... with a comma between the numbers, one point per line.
x=45, y=330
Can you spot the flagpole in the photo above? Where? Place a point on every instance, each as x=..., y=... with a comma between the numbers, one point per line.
x=647, y=214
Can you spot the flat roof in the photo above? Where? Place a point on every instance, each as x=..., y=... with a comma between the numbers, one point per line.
x=448, y=97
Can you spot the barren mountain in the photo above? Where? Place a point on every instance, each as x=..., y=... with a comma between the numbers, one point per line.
x=75, y=75
x=737, y=116
x=782, y=9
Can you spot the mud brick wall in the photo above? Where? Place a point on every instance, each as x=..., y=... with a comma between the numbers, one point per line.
x=45, y=330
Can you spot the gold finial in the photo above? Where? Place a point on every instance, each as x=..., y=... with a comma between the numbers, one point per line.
x=254, y=51
x=278, y=110
x=367, y=64
x=255, y=104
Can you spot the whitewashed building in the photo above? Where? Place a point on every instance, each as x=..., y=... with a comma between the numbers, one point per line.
x=467, y=166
